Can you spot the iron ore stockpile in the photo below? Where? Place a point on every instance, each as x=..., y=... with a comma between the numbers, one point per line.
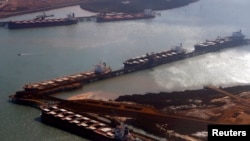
x=39, y=94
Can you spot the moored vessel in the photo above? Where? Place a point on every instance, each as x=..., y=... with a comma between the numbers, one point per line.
x=85, y=125
x=236, y=39
x=179, y=53
x=108, y=17
x=71, y=81
x=153, y=59
x=41, y=21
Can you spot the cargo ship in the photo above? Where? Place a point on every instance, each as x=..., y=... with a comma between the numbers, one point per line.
x=87, y=126
x=236, y=39
x=74, y=80
x=178, y=53
x=153, y=59
x=41, y=21
x=149, y=60
x=66, y=83
x=109, y=17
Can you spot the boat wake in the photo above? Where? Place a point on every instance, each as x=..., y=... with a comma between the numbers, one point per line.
x=25, y=54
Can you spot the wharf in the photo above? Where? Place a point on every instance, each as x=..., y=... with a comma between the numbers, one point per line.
x=131, y=65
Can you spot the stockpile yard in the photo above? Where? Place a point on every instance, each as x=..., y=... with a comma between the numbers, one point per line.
x=210, y=105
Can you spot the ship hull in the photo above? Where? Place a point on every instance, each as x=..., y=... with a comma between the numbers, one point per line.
x=223, y=46
x=45, y=23
x=122, y=17
x=151, y=60
x=72, y=128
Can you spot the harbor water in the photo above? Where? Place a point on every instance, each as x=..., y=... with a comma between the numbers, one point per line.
x=52, y=52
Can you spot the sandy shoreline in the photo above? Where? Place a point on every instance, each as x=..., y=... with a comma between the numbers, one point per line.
x=88, y=95
x=96, y=95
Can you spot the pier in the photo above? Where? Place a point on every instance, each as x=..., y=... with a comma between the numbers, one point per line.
x=102, y=71
x=79, y=19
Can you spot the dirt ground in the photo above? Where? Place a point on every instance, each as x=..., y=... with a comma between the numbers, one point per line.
x=230, y=113
x=211, y=105
x=15, y=7
x=31, y=4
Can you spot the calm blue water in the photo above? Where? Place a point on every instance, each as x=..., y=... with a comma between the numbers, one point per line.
x=58, y=51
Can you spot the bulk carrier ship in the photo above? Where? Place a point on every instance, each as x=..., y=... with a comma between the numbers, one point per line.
x=85, y=125
x=41, y=21
x=109, y=17
x=69, y=82
x=236, y=39
x=178, y=53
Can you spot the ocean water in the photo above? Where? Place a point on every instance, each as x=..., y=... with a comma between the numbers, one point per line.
x=58, y=51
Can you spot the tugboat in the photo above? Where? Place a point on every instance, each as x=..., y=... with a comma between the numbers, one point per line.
x=109, y=17
x=41, y=21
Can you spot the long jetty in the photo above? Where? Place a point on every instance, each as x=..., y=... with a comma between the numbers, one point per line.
x=79, y=80
x=78, y=83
